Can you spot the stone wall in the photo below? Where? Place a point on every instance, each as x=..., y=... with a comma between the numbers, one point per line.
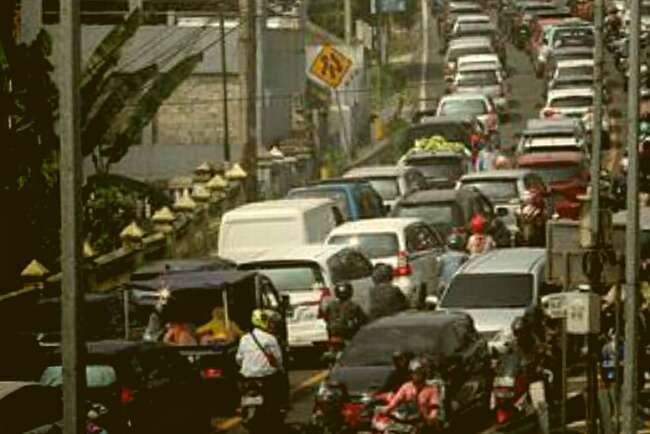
x=193, y=114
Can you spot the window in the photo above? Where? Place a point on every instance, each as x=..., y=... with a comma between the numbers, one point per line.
x=96, y=376
x=373, y=245
x=292, y=277
x=434, y=213
x=484, y=207
x=338, y=197
x=489, y=291
x=496, y=190
x=387, y=187
x=463, y=106
x=420, y=239
x=356, y=265
x=369, y=204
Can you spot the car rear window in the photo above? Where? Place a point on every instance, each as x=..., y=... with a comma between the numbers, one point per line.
x=387, y=187
x=472, y=106
x=488, y=291
x=292, y=277
x=572, y=101
x=495, y=190
x=96, y=376
x=576, y=70
x=467, y=51
x=551, y=174
x=437, y=213
x=484, y=77
x=375, y=245
x=443, y=168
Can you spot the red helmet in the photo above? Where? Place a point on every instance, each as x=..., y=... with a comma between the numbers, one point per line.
x=478, y=224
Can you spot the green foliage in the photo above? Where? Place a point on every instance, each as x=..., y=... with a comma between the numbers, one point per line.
x=109, y=210
x=329, y=14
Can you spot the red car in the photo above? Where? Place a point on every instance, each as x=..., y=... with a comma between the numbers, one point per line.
x=566, y=174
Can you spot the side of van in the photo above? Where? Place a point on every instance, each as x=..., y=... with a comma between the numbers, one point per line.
x=255, y=228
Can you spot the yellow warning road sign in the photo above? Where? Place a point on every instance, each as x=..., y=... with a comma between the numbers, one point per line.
x=331, y=66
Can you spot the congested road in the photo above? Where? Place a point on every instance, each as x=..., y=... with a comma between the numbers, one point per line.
x=526, y=100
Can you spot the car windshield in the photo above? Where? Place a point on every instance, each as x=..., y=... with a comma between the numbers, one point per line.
x=96, y=376
x=497, y=190
x=472, y=106
x=488, y=291
x=291, y=277
x=438, y=213
x=571, y=84
x=387, y=187
x=375, y=346
x=551, y=174
x=373, y=245
x=442, y=168
x=572, y=101
x=336, y=195
x=484, y=77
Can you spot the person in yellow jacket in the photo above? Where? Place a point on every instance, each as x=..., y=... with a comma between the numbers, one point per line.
x=216, y=331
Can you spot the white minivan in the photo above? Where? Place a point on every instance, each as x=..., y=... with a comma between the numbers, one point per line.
x=250, y=230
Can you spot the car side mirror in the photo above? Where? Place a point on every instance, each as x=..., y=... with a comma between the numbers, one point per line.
x=286, y=302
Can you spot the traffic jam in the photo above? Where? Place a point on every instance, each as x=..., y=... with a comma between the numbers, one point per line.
x=410, y=297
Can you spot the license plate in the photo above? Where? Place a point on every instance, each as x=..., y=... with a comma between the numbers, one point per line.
x=251, y=401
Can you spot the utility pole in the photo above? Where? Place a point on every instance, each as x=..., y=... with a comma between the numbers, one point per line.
x=74, y=373
x=426, y=18
x=260, y=93
x=348, y=21
x=247, y=92
x=224, y=90
x=630, y=359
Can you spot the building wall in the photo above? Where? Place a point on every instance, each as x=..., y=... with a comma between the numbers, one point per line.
x=193, y=114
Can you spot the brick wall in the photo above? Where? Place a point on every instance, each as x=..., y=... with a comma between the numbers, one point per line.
x=193, y=115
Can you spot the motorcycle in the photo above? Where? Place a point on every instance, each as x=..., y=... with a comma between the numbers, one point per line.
x=531, y=220
x=403, y=420
x=257, y=413
x=327, y=416
x=510, y=389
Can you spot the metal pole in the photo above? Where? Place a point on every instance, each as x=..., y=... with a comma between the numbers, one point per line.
x=224, y=90
x=424, y=5
x=348, y=21
x=260, y=97
x=617, y=361
x=629, y=399
x=565, y=344
x=74, y=416
x=597, y=125
x=247, y=60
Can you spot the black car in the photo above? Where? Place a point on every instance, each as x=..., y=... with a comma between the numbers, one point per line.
x=146, y=387
x=28, y=407
x=457, y=354
x=450, y=211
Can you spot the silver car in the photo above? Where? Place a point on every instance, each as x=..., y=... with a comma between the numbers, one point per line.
x=496, y=287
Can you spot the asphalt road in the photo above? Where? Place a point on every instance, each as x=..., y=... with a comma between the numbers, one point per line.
x=526, y=91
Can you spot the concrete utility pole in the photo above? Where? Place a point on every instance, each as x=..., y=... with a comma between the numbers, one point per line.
x=224, y=89
x=260, y=94
x=247, y=91
x=74, y=373
x=630, y=360
x=348, y=21
x=426, y=19
x=597, y=125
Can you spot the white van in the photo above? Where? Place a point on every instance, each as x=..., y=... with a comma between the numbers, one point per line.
x=255, y=228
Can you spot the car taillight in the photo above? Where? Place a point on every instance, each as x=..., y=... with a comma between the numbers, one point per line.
x=549, y=113
x=212, y=373
x=126, y=395
x=352, y=414
x=403, y=267
x=325, y=296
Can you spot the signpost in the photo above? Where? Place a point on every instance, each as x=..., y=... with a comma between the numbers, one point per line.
x=331, y=66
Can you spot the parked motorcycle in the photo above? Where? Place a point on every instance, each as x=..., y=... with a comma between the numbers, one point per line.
x=258, y=414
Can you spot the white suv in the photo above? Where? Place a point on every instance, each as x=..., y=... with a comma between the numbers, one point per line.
x=308, y=275
x=409, y=245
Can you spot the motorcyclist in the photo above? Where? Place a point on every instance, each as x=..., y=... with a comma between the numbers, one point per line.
x=400, y=373
x=417, y=391
x=385, y=298
x=452, y=259
x=479, y=242
x=526, y=345
x=344, y=316
x=260, y=357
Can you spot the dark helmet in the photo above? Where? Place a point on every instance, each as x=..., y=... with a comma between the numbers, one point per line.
x=456, y=242
x=383, y=273
x=518, y=326
x=343, y=291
